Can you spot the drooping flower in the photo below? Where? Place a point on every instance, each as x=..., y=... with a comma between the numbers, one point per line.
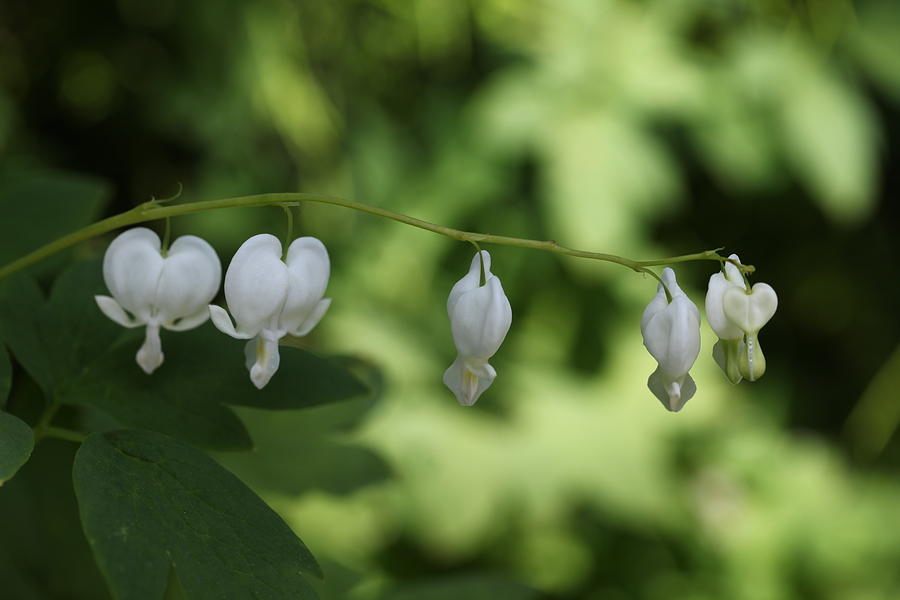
x=671, y=332
x=480, y=316
x=270, y=297
x=736, y=314
x=170, y=290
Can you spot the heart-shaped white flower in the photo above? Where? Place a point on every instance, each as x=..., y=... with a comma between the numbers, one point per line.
x=750, y=310
x=170, y=291
x=270, y=297
x=736, y=314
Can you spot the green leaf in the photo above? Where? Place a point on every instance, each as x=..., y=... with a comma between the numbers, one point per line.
x=16, y=444
x=176, y=399
x=20, y=303
x=39, y=206
x=204, y=371
x=43, y=551
x=81, y=357
x=303, y=379
x=341, y=466
x=5, y=376
x=91, y=362
x=149, y=502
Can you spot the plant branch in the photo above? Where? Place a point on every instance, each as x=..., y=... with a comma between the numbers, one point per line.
x=155, y=209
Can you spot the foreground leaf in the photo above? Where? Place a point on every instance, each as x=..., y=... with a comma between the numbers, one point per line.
x=28, y=196
x=20, y=303
x=149, y=502
x=80, y=357
x=43, y=551
x=16, y=444
x=341, y=466
x=303, y=379
x=91, y=362
x=5, y=375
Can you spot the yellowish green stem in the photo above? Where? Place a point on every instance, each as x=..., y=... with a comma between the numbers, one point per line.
x=62, y=433
x=155, y=209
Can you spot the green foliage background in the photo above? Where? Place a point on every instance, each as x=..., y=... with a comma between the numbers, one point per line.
x=643, y=128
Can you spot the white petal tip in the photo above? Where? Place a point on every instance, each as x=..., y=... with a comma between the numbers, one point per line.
x=466, y=384
x=673, y=394
x=114, y=311
x=149, y=362
x=266, y=363
x=220, y=318
x=150, y=355
x=260, y=376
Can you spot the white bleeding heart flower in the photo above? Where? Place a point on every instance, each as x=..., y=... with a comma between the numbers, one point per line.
x=715, y=311
x=270, y=297
x=750, y=310
x=727, y=350
x=736, y=314
x=671, y=332
x=480, y=316
x=170, y=290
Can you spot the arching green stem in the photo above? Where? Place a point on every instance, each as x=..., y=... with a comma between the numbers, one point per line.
x=155, y=209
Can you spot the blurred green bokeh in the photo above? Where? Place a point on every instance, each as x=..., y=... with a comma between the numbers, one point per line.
x=643, y=128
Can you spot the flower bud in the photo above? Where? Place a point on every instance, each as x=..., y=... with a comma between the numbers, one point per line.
x=480, y=316
x=671, y=332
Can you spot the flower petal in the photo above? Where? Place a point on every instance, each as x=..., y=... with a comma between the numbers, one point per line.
x=150, y=355
x=467, y=384
x=256, y=283
x=190, y=278
x=658, y=303
x=715, y=310
x=114, y=311
x=191, y=321
x=752, y=361
x=672, y=392
x=750, y=311
x=726, y=353
x=131, y=269
x=480, y=320
x=223, y=323
x=471, y=280
x=672, y=336
x=308, y=270
x=313, y=319
x=266, y=361
x=733, y=274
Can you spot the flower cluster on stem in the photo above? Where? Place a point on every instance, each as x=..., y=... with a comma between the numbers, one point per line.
x=271, y=294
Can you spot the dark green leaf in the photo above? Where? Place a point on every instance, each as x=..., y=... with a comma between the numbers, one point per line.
x=74, y=331
x=16, y=444
x=83, y=358
x=93, y=364
x=149, y=502
x=340, y=466
x=168, y=401
x=20, y=303
x=5, y=375
x=39, y=206
x=43, y=551
x=303, y=379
